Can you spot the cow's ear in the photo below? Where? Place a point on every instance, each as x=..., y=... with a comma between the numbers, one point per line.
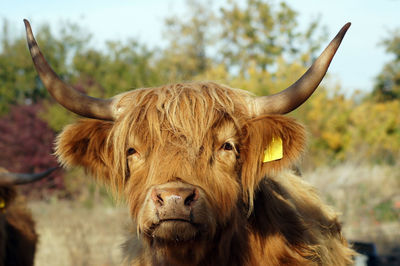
x=271, y=143
x=85, y=144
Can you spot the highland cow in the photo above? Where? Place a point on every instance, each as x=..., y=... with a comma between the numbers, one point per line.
x=18, y=237
x=204, y=169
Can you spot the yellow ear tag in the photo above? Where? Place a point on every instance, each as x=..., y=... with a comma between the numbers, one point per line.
x=274, y=151
x=2, y=203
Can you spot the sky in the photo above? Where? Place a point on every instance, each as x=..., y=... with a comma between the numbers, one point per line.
x=359, y=59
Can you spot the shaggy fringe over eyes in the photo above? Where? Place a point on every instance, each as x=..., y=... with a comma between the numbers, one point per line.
x=258, y=134
x=181, y=114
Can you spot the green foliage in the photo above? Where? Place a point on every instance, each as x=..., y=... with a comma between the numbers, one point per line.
x=376, y=127
x=19, y=82
x=56, y=116
x=256, y=33
x=189, y=39
x=251, y=35
x=123, y=67
x=327, y=119
x=385, y=212
x=261, y=32
x=98, y=73
x=17, y=78
x=345, y=128
x=387, y=84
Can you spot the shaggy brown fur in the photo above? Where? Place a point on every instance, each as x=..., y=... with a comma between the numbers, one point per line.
x=205, y=137
x=18, y=238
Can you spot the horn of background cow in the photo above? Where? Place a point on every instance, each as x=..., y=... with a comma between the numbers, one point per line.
x=9, y=179
x=67, y=96
x=292, y=97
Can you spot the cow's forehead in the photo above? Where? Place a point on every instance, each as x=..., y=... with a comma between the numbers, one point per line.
x=189, y=96
x=187, y=111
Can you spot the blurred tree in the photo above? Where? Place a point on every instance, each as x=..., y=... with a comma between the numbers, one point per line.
x=375, y=130
x=121, y=68
x=387, y=83
x=189, y=39
x=19, y=83
x=104, y=74
x=327, y=118
x=17, y=77
x=252, y=40
x=26, y=145
x=259, y=32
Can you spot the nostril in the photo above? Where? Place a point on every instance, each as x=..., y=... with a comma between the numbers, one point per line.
x=194, y=196
x=157, y=198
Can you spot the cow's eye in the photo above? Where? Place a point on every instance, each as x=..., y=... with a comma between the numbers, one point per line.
x=131, y=151
x=227, y=146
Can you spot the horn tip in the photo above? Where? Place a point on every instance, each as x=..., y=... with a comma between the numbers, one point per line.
x=345, y=27
x=29, y=33
x=26, y=22
x=342, y=32
x=27, y=26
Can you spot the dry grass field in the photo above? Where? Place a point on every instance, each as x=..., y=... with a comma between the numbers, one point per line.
x=368, y=198
x=72, y=233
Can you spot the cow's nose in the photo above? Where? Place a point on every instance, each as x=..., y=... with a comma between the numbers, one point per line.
x=175, y=196
x=174, y=202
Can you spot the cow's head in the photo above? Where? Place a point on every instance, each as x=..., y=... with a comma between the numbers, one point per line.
x=188, y=157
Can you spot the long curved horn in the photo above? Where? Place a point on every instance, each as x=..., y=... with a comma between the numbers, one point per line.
x=292, y=97
x=9, y=179
x=67, y=96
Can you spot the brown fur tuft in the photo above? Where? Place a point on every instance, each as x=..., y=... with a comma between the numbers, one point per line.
x=85, y=144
